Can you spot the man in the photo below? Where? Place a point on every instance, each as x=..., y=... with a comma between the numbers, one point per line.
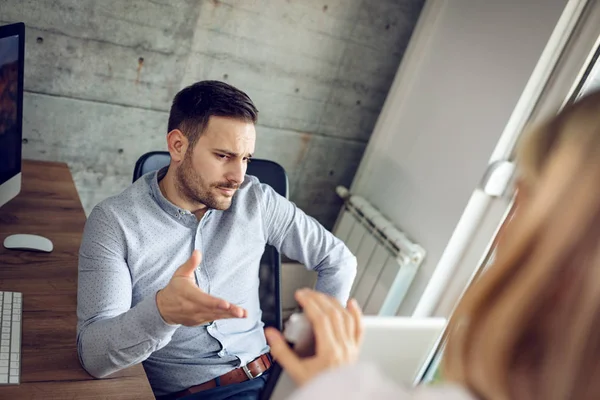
x=168, y=269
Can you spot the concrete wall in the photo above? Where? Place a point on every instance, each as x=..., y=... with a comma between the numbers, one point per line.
x=100, y=76
x=452, y=98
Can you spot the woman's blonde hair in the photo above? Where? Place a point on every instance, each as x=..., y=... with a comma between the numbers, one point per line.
x=529, y=328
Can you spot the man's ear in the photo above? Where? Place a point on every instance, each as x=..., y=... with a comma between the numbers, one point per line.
x=177, y=143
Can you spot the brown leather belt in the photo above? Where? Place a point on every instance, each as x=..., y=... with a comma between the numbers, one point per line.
x=253, y=369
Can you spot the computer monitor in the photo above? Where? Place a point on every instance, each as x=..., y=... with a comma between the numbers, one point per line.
x=12, y=46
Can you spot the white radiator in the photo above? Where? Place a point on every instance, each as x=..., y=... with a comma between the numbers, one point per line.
x=387, y=259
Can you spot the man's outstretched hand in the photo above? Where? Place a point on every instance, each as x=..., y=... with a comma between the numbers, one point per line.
x=183, y=302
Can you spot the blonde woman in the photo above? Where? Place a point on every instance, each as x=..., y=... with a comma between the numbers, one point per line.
x=529, y=328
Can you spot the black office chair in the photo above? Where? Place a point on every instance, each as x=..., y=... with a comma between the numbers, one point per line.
x=272, y=174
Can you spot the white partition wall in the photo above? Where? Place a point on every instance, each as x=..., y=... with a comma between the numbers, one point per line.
x=461, y=79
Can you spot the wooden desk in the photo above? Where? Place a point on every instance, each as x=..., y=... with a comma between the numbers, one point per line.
x=49, y=205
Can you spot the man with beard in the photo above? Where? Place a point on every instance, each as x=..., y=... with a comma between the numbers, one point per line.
x=168, y=269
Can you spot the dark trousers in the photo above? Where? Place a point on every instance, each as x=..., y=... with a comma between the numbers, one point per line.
x=248, y=390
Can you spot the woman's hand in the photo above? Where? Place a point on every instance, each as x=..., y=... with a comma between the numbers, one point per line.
x=338, y=335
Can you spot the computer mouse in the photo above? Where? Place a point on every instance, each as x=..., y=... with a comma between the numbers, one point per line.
x=28, y=243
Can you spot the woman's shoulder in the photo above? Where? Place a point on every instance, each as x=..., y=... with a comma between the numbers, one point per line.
x=366, y=381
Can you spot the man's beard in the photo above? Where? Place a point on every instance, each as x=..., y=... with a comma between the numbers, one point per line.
x=193, y=188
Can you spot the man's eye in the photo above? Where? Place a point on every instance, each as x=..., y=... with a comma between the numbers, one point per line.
x=222, y=156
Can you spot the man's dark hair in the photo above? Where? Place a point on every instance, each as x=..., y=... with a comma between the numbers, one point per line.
x=195, y=104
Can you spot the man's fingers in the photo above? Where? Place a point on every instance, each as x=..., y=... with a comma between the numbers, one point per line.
x=187, y=269
x=219, y=307
x=205, y=300
x=221, y=315
x=238, y=312
x=232, y=309
x=284, y=355
x=203, y=317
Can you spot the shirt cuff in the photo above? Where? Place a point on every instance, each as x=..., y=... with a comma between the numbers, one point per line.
x=152, y=322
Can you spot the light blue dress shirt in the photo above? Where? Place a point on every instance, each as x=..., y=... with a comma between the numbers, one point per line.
x=133, y=243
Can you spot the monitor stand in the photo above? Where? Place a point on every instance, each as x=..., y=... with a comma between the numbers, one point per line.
x=10, y=189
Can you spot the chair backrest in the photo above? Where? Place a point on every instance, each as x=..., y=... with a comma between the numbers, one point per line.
x=272, y=174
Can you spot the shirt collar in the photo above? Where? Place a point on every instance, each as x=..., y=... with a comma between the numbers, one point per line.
x=182, y=216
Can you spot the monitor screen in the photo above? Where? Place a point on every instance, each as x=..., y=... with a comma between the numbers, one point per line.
x=10, y=124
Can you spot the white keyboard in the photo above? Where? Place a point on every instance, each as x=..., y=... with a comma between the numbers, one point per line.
x=10, y=342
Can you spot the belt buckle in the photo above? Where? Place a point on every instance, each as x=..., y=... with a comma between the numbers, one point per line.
x=249, y=373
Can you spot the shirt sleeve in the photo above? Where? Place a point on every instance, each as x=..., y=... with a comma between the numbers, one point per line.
x=111, y=335
x=302, y=238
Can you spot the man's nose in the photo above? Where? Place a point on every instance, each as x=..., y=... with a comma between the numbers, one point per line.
x=237, y=172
